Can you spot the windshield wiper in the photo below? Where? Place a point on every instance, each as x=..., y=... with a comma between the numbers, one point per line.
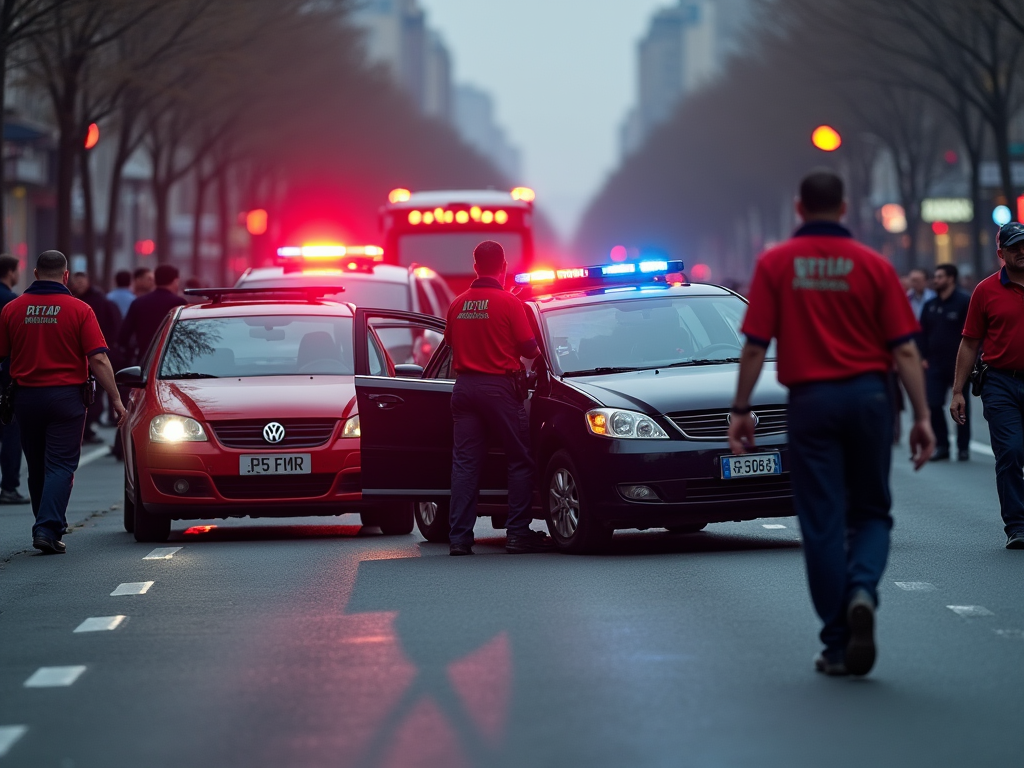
x=192, y=375
x=709, y=361
x=603, y=370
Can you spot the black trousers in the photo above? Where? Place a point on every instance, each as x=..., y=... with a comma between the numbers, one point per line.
x=939, y=382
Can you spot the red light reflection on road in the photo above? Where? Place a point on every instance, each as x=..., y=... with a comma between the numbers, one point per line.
x=199, y=529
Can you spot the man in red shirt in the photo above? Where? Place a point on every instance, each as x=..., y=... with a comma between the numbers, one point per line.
x=841, y=320
x=995, y=322
x=488, y=332
x=53, y=339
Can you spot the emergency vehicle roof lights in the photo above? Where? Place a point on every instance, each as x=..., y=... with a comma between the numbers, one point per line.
x=640, y=271
x=525, y=194
x=399, y=195
x=330, y=251
x=301, y=293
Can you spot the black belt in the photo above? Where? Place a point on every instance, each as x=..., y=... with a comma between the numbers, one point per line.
x=1016, y=373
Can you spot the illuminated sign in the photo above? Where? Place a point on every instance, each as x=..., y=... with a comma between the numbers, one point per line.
x=951, y=210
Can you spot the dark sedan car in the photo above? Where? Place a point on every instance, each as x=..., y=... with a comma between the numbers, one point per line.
x=629, y=410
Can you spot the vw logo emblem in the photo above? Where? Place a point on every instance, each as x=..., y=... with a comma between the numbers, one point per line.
x=728, y=418
x=273, y=432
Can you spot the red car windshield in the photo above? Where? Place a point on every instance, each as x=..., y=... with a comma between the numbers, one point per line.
x=272, y=345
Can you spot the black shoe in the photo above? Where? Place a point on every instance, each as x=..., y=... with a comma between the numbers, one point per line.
x=49, y=546
x=91, y=438
x=534, y=541
x=458, y=550
x=13, y=497
x=1015, y=540
x=940, y=456
x=860, y=651
x=963, y=456
x=830, y=668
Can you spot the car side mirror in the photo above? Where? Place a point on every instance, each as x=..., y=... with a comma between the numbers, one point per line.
x=130, y=377
x=409, y=371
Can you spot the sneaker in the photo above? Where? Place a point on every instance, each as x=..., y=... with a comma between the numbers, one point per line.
x=860, y=651
x=963, y=456
x=1015, y=540
x=49, y=546
x=13, y=497
x=523, y=544
x=830, y=668
x=459, y=550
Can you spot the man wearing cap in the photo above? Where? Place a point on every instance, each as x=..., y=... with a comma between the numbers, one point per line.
x=995, y=323
x=488, y=332
x=839, y=313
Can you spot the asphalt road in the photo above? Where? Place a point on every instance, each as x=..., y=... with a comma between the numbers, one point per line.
x=311, y=643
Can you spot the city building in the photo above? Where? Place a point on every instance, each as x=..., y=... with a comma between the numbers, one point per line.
x=474, y=118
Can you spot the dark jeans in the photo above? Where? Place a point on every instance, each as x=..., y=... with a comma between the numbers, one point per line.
x=486, y=405
x=940, y=382
x=840, y=436
x=10, y=456
x=52, y=421
x=1003, y=399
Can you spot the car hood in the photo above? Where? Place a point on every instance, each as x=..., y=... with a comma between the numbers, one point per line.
x=678, y=389
x=264, y=397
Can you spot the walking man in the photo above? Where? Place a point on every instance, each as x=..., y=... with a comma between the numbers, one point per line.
x=942, y=323
x=53, y=340
x=488, y=332
x=841, y=320
x=122, y=295
x=148, y=311
x=919, y=293
x=995, y=323
x=10, y=434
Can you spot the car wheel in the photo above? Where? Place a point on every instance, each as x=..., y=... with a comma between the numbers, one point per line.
x=693, y=528
x=148, y=527
x=432, y=520
x=129, y=506
x=570, y=520
x=396, y=519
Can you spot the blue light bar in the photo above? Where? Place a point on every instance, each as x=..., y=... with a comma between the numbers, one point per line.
x=618, y=269
x=643, y=270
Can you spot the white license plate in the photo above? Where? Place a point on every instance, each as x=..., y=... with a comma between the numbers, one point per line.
x=275, y=464
x=751, y=465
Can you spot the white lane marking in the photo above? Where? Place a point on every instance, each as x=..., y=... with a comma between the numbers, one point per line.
x=100, y=623
x=915, y=586
x=970, y=611
x=132, y=588
x=1012, y=634
x=162, y=553
x=10, y=734
x=94, y=455
x=773, y=526
x=54, y=677
x=982, y=448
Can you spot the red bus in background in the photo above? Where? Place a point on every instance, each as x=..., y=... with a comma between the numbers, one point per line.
x=439, y=229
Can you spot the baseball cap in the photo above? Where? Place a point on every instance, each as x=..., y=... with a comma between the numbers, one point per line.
x=1010, y=233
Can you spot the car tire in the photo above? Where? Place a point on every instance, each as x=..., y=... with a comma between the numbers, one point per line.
x=129, y=507
x=432, y=520
x=148, y=527
x=692, y=528
x=396, y=519
x=570, y=519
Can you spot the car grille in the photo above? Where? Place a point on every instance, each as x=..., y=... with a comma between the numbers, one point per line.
x=273, y=486
x=247, y=434
x=714, y=425
x=746, y=489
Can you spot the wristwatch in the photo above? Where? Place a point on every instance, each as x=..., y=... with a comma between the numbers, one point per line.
x=740, y=411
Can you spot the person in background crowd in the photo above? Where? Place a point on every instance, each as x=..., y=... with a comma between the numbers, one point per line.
x=143, y=281
x=194, y=282
x=995, y=325
x=147, y=312
x=122, y=295
x=109, y=318
x=942, y=325
x=919, y=293
x=53, y=341
x=10, y=434
x=837, y=310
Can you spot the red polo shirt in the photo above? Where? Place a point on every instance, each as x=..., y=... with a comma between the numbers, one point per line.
x=487, y=329
x=836, y=307
x=996, y=317
x=49, y=336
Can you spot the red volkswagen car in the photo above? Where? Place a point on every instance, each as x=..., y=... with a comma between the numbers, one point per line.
x=245, y=406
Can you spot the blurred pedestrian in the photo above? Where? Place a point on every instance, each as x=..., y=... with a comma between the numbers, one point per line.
x=109, y=318
x=942, y=325
x=919, y=293
x=148, y=311
x=995, y=324
x=53, y=341
x=191, y=284
x=841, y=320
x=143, y=281
x=10, y=434
x=122, y=295
x=488, y=332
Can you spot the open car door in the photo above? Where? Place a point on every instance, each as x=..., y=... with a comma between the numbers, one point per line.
x=405, y=420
